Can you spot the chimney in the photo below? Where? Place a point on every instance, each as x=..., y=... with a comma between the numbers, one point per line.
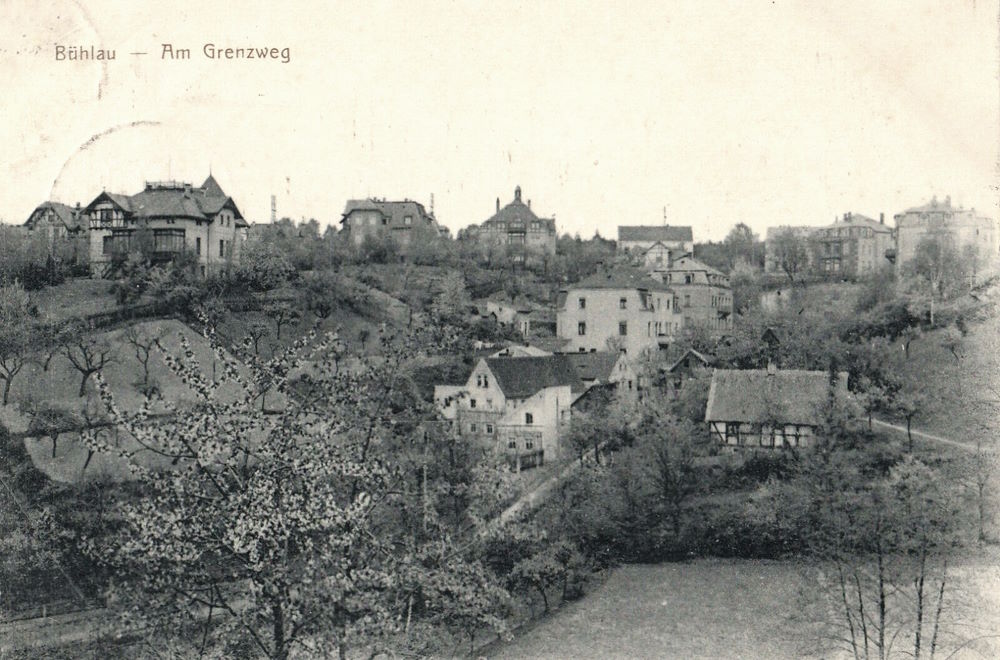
x=517, y=194
x=529, y=203
x=772, y=368
x=498, y=204
x=881, y=218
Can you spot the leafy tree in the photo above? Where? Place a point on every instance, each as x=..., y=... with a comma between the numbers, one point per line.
x=791, y=252
x=264, y=266
x=282, y=314
x=936, y=271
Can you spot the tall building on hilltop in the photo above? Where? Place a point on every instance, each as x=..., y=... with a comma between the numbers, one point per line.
x=515, y=231
x=973, y=235
x=406, y=222
x=854, y=246
x=203, y=221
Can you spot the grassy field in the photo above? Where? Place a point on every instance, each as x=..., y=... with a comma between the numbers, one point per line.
x=74, y=298
x=710, y=608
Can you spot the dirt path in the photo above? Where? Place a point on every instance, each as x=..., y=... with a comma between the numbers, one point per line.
x=926, y=436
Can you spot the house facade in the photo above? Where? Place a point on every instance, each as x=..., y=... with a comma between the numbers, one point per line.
x=703, y=293
x=515, y=231
x=854, y=246
x=171, y=218
x=768, y=408
x=63, y=225
x=973, y=235
x=626, y=306
x=518, y=405
x=636, y=241
x=605, y=368
x=406, y=222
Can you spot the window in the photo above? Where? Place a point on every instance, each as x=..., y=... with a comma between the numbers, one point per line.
x=385, y=221
x=622, y=303
x=203, y=271
x=630, y=385
x=512, y=444
x=687, y=299
x=528, y=444
x=622, y=328
x=583, y=303
x=106, y=247
x=168, y=240
x=472, y=403
x=687, y=279
x=581, y=328
x=529, y=418
x=486, y=381
x=472, y=428
x=489, y=429
x=222, y=248
x=732, y=435
x=197, y=246
x=408, y=220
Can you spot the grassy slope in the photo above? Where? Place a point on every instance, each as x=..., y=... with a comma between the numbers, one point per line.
x=713, y=608
x=74, y=298
x=964, y=394
x=58, y=388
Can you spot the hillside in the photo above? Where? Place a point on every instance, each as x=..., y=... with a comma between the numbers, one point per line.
x=55, y=390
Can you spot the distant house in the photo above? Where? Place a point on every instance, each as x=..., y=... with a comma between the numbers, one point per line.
x=653, y=240
x=768, y=408
x=514, y=231
x=406, y=222
x=623, y=305
x=974, y=236
x=520, y=405
x=853, y=247
x=772, y=259
x=606, y=368
x=56, y=220
x=202, y=221
x=703, y=293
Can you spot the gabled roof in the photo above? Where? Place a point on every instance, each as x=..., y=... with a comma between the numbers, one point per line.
x=791, y=396
x=175, y=200
x=67, y=215
x=517, y=212
x=521, y=377
x=687, y=262
x=670, y=233
x=394, y=212
x=705, y=361
x=594, y=366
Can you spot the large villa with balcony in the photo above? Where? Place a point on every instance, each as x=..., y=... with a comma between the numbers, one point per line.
x=163, y=221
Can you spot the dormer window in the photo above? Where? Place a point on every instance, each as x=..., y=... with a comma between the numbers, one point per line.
x=622, y=303
x=408, y=220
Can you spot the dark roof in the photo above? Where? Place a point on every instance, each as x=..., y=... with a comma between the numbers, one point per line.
x=176, y=200
x=934, y=206
x=394, y=212
x=705, y=361
x=521, y=377
x=517, y=212
x=619, y=278
x=753, y=395
x=655, y=233
x=594, y=366
x=68, y=216
x=858, y=220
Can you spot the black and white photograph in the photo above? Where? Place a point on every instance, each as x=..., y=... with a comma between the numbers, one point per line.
x=564, y=329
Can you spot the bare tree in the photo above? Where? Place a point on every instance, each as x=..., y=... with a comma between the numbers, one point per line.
x=790, y=251
x=15, y=334
x=143, y=343
x=87, y=353
x=282, y=314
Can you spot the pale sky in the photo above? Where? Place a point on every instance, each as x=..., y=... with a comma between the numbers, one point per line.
x=603, y=112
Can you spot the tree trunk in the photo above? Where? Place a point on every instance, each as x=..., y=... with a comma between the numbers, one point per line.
x=909, y=434
x=278, y=619
x=83, y=383
x=6, y=388
x=919, y=584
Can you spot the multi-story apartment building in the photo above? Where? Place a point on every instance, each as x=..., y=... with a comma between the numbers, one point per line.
x=406, y=222
x=703, y=293
x=853, y=247
x=177, y=218
x=657, y=240
x=973, y=235
x=625, y=306
x=515, y=231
